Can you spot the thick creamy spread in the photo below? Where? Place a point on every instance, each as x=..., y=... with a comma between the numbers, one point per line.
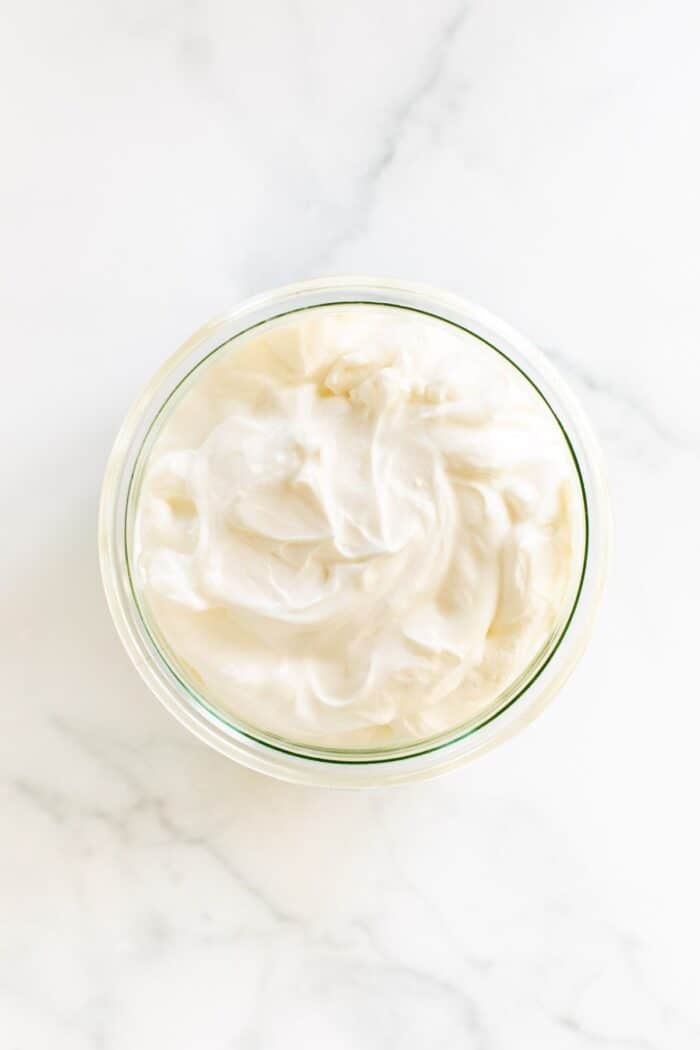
x=357, y=527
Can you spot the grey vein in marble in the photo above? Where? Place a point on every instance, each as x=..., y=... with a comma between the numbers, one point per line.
x=401, y=119
x=598, y=386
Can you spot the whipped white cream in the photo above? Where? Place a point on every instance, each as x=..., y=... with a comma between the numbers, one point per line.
x=357, y=527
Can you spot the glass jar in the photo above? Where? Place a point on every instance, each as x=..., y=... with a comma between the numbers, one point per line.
x=523, y=699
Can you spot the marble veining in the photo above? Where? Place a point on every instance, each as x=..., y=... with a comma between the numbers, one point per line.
x=403, y=113
x=161, y=162
x=626, y=399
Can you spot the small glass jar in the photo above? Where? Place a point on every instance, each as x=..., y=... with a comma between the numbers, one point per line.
x=523, y=699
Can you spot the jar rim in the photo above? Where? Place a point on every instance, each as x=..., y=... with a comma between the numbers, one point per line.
x=525, y=695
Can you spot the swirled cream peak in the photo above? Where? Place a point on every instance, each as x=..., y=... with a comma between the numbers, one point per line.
x=357, y=527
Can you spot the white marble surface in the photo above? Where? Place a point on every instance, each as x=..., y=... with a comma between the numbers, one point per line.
x=164, y=158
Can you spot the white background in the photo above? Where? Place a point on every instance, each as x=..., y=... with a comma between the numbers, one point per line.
x=161, y=160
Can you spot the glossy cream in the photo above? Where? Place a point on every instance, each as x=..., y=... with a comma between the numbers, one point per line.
x=357, y=527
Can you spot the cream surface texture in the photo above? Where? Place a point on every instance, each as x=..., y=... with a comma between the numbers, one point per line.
x=357, y=528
